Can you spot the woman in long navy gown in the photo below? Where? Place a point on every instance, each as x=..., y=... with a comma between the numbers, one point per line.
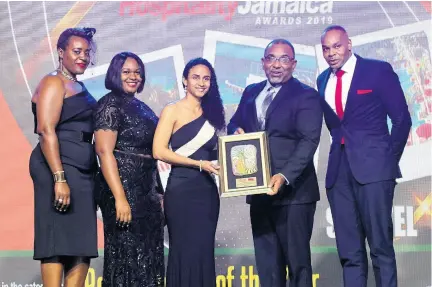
x=128, y=187
x=191, y=198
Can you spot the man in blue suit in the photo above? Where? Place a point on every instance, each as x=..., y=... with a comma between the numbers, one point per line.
x=291, y=114
x=357, y=97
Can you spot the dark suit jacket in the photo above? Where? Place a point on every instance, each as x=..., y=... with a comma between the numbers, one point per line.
x=293, y=126
x=372, y=152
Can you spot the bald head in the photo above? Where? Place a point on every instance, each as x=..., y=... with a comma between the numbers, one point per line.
x=282, y=42
x=336, y=46
x=333, y=28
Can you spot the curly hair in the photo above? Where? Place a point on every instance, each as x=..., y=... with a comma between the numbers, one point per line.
x=211, y=103
x=85, y=33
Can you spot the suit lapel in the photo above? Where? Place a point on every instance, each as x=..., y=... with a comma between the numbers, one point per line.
x=252, y=105
x=322, y=86
x=354, y=83
x=285, y=89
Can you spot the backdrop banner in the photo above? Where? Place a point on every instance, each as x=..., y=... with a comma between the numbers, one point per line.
x=232, y=36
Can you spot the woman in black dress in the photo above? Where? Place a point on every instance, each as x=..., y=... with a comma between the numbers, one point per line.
x=62, y=166
x=130, y=193
x=191, y=198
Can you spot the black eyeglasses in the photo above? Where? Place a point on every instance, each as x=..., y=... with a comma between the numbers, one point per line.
x=283, y=60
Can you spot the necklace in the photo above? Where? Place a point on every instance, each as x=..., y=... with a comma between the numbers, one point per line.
x=67, y=76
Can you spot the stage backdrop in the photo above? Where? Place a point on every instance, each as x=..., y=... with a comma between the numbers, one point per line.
x=231, y=35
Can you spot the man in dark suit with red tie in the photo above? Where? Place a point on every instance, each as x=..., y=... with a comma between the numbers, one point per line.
x=290, y=112
x=358, y=95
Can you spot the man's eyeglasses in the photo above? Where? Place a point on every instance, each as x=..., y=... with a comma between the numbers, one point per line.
x=283, y=60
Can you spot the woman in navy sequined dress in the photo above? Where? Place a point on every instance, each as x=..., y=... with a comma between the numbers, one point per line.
x=128, y=186
x=191, y=200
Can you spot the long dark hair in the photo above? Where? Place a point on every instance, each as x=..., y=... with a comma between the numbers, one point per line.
x=113, y=76
x=211, y=103
x=85, y=33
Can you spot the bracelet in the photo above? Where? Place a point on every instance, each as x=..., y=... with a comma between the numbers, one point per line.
x=59, y=176
x=200, y=165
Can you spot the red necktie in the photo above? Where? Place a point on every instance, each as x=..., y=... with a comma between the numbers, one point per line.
x=338, y=96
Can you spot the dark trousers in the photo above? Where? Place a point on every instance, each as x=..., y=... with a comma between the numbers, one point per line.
x=281, y=237
x=363, y=211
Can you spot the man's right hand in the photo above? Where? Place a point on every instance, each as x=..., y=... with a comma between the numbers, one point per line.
x=239, y=131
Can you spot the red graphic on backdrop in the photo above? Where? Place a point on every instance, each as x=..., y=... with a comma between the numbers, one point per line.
x=17, y=208
x=164, y=9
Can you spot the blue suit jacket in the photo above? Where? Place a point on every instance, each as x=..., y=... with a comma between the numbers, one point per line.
x=372, y=152
x=293, y=126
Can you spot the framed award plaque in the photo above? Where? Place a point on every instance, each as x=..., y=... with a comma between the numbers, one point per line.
x=244, y=164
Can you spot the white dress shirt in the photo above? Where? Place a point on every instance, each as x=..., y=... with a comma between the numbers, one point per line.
x=330, y=90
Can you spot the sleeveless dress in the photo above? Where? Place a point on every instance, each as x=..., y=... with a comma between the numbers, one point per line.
x=192, y=209
x=133, y=257
x=74, y=232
